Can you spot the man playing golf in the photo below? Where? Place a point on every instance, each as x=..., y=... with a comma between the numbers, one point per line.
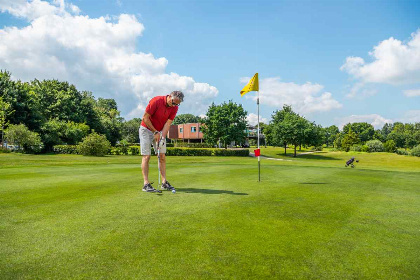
x=158, y=117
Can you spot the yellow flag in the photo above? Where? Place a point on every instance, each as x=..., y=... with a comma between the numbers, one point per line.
x=251, y=86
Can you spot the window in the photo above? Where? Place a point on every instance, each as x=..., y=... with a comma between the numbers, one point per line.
x=199, y=129
x=193, y=129
x=181, y=130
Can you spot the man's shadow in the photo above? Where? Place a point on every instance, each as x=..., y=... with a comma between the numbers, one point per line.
x=208, y=191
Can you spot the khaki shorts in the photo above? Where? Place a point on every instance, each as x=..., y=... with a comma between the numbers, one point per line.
x=146, y=142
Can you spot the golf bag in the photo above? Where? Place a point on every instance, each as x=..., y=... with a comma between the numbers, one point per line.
x=350, y=162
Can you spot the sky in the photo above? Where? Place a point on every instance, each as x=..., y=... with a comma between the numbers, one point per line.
x=334, y=62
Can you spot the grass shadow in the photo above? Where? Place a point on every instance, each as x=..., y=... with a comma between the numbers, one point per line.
x=208, y=191
x=313, y=183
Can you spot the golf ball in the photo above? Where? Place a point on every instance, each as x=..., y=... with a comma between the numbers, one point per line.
x=173, y=191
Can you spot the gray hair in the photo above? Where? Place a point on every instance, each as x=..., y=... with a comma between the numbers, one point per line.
x=177, y=94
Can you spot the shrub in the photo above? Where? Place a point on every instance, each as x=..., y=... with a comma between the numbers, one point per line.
x=4, y=150
x=190, y=145
x=134, y=150
x=390, y=146
x=235, y=153
x=94, y=145
x=416, y=151
x=365, y=149
x=316, y=148
x=65, y=149
x=356, y=148
x=402, y=152
x=375, y=146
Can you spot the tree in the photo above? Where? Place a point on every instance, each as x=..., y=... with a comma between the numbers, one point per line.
x=5, y=111
x=225, y=123
x=363, y=130
x=330, y=134
x=130, y=130
x=23, y=138
x=186, y=118
x=279, y=128
x=349, y=139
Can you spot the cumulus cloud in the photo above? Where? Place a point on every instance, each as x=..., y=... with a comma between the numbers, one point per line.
x=394, y=62
x=96, y=54
x=305, y=98
x=375, y=120
x=411, y=116
x=252, y=119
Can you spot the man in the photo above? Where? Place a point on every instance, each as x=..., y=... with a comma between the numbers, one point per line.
x=155, y=125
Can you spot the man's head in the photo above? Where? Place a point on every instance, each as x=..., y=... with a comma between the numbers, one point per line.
x=175, y=98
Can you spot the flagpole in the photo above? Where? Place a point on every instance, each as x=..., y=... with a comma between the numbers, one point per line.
x=258, y=133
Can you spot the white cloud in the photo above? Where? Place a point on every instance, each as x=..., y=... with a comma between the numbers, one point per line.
x=253, y=119
x=305, y=98
x=375, y=120
x=411, y=116
x=412, y=92
x=394, y=62
x=95, y=54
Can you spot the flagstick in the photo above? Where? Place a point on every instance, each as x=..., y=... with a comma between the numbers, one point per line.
x=258, y=133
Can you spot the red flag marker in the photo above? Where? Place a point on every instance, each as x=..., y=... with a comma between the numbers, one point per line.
x=257, y=152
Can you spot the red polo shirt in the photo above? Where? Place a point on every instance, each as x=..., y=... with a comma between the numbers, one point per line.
x=159, y=112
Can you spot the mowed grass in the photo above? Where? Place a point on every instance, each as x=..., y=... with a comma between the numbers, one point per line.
x=75, y=217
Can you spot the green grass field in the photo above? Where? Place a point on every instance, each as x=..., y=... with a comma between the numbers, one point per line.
x=75, y=217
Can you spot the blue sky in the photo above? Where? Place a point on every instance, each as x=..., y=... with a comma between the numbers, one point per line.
x=334, y=61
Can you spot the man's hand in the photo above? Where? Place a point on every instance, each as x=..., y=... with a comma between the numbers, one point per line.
x=157, y=136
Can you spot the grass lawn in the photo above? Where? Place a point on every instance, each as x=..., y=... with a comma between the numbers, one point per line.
x=75, y=217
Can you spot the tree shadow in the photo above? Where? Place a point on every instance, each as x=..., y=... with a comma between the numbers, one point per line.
x=208, y=191
x=315, y=156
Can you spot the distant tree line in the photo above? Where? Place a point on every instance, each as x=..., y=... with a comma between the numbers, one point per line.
x=289, y=128
x=59, y=113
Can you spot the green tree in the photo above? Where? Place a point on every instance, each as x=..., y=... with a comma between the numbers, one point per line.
x=279, y=128
x=130, y=130
x=349, y=139
x=5, y=111
x=23, y=138
x=363, y=130
x=186, y=118
x=225, y=123
x=330, y=134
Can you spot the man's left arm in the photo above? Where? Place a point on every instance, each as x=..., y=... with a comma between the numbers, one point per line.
x=166, y=128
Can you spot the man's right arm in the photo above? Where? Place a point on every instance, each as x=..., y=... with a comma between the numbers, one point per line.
x=148, y=122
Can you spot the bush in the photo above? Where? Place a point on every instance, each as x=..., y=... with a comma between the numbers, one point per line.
x=4, y=150
x=188, y=152
x=134, y=150
x=402, y=152
x=191, y=145
x=94, y=145
x=390, y=146
x=356, y=148
x=365, y=149
x=316, y=148
x=65, y=149
x=375, y=146
x=416, y=151
x=234, y=153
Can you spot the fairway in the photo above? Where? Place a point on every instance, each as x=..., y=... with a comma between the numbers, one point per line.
x=75, y=217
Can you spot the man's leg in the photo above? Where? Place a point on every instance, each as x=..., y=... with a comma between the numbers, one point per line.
x=145, y=169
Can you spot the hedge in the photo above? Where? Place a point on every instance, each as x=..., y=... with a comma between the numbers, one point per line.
x=135, y=150
x=65, y=149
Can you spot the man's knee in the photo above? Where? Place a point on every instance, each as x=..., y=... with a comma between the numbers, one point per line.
x=146, y=159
